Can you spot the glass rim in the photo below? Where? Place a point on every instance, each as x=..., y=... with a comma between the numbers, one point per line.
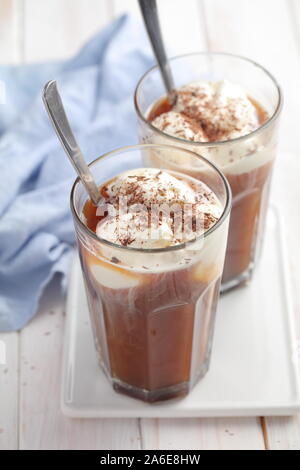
x=265, y=125
x=180, y=246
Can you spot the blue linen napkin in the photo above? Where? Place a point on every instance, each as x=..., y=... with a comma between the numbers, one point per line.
x=36, y=230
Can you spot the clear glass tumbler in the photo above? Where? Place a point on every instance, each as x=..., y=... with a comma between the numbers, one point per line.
x=247, y=161
x=152, y=310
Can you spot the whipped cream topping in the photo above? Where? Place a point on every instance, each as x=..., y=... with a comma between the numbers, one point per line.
x=154, y=198
x=208, y=112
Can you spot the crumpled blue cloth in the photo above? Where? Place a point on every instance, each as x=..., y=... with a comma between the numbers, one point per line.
x=36, y=229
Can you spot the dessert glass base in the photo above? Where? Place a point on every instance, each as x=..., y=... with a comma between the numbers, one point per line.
x=239, y=281
x=167, y=393
x=178, y=390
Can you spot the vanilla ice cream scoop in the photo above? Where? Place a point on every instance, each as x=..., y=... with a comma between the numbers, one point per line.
x=152, y=208
x=209, y=112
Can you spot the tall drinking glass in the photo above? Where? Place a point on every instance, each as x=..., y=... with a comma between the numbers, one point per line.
x=152, y=310
x=246, y=161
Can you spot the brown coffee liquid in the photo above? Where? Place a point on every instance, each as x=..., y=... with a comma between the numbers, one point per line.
x=250, y=195
x=249, y=203
x=90, y=212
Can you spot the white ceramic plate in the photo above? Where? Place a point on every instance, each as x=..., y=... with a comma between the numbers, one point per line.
x=254, y=366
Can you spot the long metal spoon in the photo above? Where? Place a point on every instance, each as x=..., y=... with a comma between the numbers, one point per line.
x=150, y=16
x=59, y=120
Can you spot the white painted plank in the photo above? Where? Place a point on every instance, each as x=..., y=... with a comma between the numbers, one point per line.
x=267, y=31
x=261, y=30
x=181, y=23
x=119, y=7
x=183, y=26
x=57, y=29
x=283, y=433
x=8, y=31
x=9, y=391
x=202, y=434
x=42, y=425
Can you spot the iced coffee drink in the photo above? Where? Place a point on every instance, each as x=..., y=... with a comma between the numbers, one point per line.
x=226, y=110
x=152, y=255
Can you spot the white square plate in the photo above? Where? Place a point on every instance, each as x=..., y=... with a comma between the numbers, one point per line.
x=254, y=367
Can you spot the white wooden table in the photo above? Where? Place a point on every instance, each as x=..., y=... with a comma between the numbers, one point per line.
x=31, y=30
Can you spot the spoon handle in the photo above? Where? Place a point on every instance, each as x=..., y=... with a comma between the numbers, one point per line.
x=150, y=16
x=59, y=120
